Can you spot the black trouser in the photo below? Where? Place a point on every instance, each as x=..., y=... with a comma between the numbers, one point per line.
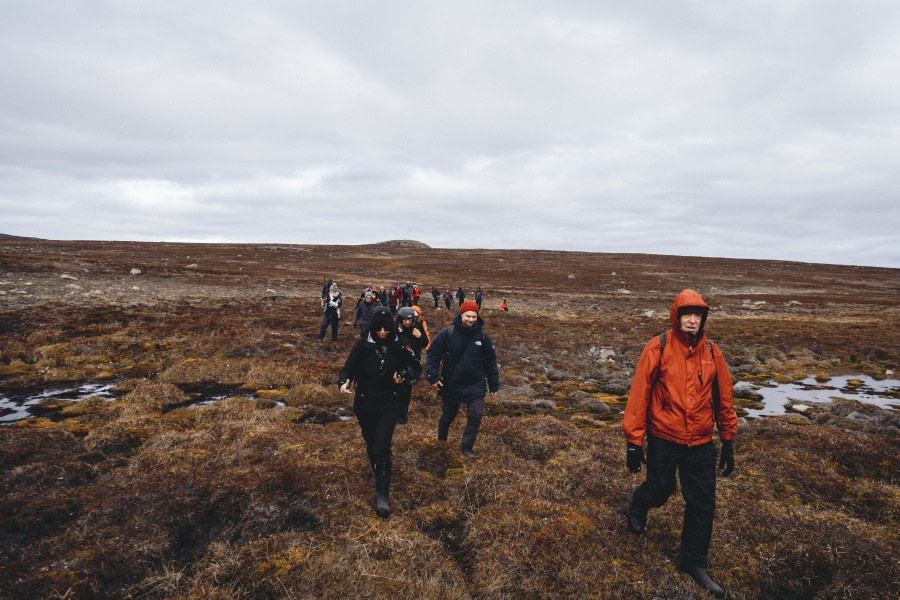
x=333, y=320
x=377, y=430
x=474, y=412
x=696, y=467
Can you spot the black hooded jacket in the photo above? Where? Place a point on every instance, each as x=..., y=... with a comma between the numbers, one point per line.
x=468, y=367
x=371, y=366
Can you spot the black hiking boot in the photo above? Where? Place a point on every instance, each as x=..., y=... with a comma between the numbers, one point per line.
x=467, y=452
x=701, y=578
x=637, y=519
x=382, y=490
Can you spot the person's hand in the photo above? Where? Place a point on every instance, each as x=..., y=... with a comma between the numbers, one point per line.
x=726, y=462
x=634, y=457
x=437, y=385
x=417, y=333
x=398, y=378
x=492, y=394
x=345, y=389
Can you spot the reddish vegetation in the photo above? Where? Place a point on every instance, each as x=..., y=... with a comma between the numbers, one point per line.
x=245, y=498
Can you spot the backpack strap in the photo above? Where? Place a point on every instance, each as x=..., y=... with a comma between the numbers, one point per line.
x=715, y=386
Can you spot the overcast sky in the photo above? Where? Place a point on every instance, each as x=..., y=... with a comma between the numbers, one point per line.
x=752, y=129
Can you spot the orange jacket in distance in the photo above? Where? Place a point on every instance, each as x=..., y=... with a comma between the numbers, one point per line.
x=677, y=406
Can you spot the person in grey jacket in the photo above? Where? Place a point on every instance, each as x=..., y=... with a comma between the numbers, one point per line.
x=462, y=368
x=365, y=308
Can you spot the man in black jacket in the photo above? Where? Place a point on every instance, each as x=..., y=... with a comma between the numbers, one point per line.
x=462, y=367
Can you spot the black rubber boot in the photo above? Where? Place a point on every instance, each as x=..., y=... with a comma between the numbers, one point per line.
x=701, y=578
x=382, y=489
x=637, y=519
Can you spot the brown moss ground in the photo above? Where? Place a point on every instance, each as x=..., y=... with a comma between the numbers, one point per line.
x=244, y=499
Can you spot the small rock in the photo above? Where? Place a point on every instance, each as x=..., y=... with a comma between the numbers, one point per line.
x=889, y=373
x=135, y=271
x=73, y=286
x=800, y=408
x=67, y=276
x=858, y=416
x=571, y=276
x=191, y=266
x=136, y=289
x=270, y=291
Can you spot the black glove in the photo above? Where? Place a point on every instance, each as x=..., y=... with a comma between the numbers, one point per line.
x=726, y=462
x=634, y=457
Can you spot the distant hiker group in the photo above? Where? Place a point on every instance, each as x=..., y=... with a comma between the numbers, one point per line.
x=398, y=296
x=681, y=392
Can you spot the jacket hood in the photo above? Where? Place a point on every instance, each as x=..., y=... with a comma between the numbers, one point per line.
x=684, y=299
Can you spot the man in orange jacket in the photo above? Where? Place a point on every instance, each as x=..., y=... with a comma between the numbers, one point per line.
x=680, y=391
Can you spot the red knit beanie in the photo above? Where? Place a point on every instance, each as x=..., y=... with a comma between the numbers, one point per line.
x=467, y=306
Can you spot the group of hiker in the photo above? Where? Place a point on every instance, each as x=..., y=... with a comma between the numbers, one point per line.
x=397, y=297
x=681, y=391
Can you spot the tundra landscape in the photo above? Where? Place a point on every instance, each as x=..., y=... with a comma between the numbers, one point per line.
x=216, y=459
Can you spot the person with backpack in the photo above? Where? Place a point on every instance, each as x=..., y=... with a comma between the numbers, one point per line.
x=407, y=294
x=410, y=330
x=326, y=287
x=462, y=367
x=365, y=308
x=422, y=324
x=436, y=295
x=448, y=298
x=479, y=296
x=395, y=296
x=680, y=391
x=379, y=365
x=332, y=313
x=460, y=296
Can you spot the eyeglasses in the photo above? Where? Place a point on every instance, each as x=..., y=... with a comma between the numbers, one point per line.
x=383, y=329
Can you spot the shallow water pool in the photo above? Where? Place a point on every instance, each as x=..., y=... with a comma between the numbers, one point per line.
x=884, y=393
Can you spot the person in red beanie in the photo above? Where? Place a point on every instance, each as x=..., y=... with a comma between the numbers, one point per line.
x=462, y=368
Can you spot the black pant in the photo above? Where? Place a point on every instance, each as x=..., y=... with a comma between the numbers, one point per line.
x=378, y=431
x=696, y=467
x=474, y=412
x=333, y=320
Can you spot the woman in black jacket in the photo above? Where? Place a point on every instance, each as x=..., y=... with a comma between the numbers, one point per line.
x=379, y=364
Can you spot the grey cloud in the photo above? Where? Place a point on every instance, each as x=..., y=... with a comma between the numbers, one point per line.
x=756, y=129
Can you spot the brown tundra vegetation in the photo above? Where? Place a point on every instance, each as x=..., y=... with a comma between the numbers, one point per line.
x=262, y=494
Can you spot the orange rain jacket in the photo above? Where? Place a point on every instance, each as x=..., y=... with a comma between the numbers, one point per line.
x=672, y=397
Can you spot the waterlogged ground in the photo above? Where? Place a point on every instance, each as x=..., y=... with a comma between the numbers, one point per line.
x=778, y=398
x=173, y=429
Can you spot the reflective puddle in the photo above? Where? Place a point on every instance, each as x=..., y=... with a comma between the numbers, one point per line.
x=22, y=404
x=884, y=393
